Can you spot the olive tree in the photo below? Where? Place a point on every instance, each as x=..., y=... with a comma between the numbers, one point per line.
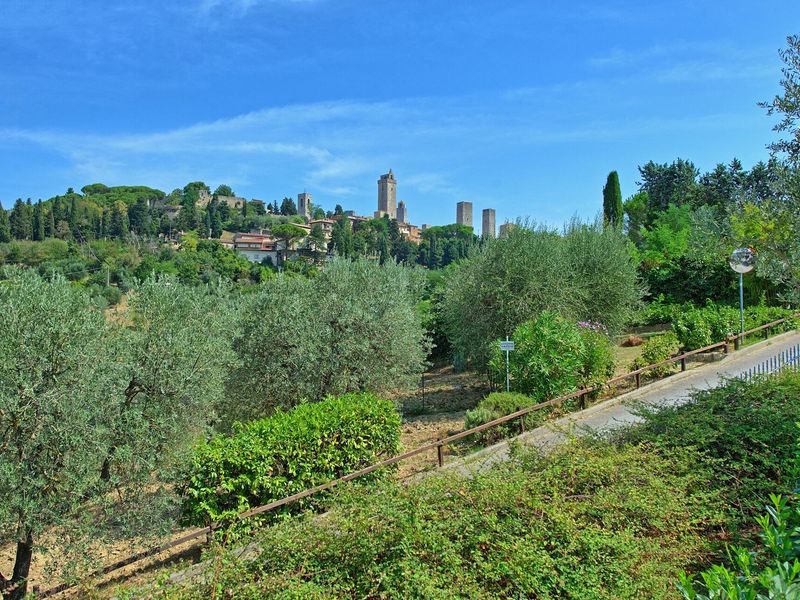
x=174, y=352
x=354, y=327
x=55, y=381
x=582, y=273
x=93, y=411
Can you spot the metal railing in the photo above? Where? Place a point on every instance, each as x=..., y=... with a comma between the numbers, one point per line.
x=786, y=360
x=437, y=445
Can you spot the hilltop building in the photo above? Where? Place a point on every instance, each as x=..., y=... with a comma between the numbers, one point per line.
x=402, y=212
x=304, y=205
x=387, y=196
x=505, y=229
x=488, y=228
x=204, y=199
x=464, y=213
x=256, y=247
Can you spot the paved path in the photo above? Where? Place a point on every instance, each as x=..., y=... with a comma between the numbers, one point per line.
x=617, y=412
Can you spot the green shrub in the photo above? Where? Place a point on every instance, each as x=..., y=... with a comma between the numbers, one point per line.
x=585, y=522
x=554, y=356
x=657, y=312
x=500, y=404
x=771, y=572
x=276, y=457
x=745, y=431
x=598, y=355
x=699, y=327
x=658, y=348
x=547, y=360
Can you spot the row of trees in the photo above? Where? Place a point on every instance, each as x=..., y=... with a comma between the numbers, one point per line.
x=683, y=224
x=91, y=405
x=381, y=238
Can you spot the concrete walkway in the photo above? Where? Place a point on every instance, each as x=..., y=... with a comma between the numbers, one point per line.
x=618, y=412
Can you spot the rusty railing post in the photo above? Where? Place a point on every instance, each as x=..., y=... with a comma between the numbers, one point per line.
x=440, y=453
x=737, y=342
x=638, y=380
x=522, y=424
x=683, y=364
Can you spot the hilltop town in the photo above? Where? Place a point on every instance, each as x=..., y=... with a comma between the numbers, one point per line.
x=316, y=231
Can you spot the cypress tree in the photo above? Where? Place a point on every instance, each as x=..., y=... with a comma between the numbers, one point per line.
x=38, y=222
x=612, y=200
x=5, y=226
x=73, y=217
x=50, y=224
x=21, y=225
x=118, y=225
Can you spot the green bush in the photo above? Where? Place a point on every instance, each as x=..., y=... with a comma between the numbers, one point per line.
x=500, y=404
x=598, y=355
x=745, y=431
x=554, y=356
x=771, y=572
x=699, y=327
x=585, y=522
x=658, y=311
x=658, y=348
x=276, y=457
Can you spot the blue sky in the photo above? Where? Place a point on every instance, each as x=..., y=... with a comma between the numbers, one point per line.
x=520, y=106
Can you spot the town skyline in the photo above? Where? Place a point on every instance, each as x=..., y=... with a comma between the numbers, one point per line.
x=462, y=117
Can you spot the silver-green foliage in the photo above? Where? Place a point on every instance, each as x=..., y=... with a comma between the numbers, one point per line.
x=584, y=273
x=174, y=353
x=90, y=406
x=353, y=327
x=55, y=380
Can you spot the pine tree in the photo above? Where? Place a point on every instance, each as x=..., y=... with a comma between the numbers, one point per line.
x=612, y=200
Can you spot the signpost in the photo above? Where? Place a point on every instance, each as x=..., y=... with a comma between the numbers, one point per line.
x=742, y=261
x=507, y=346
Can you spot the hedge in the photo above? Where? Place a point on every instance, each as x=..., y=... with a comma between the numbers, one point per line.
x=710, y=324
x=273, y=458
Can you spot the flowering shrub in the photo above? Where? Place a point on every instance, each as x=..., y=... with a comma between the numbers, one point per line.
x=598, y=355
x=554, y=357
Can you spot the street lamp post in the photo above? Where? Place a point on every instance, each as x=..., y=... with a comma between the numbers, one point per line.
x=742, y=261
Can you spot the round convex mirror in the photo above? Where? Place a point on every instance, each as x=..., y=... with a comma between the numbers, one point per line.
x=742, y=260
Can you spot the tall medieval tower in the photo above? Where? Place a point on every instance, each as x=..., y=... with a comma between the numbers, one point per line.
x=387, y=195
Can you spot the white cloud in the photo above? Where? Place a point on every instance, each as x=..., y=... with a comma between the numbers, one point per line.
x=339, y=148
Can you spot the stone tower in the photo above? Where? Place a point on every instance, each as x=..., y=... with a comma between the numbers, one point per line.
x=304, y=205
x=387, y=195
x=488, y=230
x=464, y=213
x=402, y=212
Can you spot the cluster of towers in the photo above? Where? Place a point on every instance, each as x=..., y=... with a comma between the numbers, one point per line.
x=387, y=205
x=464, y=217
